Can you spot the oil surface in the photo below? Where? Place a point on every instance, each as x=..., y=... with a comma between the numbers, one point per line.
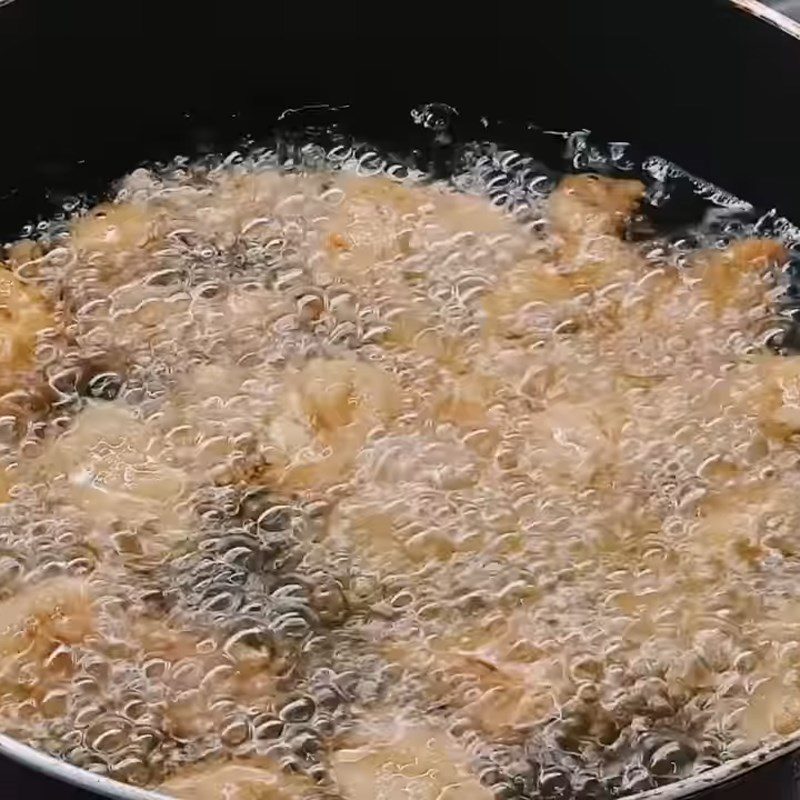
x=329, y=482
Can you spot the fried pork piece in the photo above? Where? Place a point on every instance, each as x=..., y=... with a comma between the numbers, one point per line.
x=59, y=608
x=530, y=298
x=336, y=394
x=115, y=227
x=119, y=246
x=493, y=676
x=382, y=524
x=109, y=465
x=330, y=407
x=765, y=390
x=773, y=707
x=120, y=239
x=394, y=762
x=733, y=516
x=237, y=780
x=46, y=630
x=588, y=213
x=775, y=399
x=358, y=230
x=574, y=440
x=303, y=428
x=38, y=627
x=23, y=253
x=585, y=206
x=380, y=219
x=536, y=296
x=390, y=242
x=734, y=289
x=25, y=395
x=241, y=673
x=730, y=277
x=23, y=314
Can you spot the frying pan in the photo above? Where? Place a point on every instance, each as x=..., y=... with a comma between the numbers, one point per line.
x=92, y=90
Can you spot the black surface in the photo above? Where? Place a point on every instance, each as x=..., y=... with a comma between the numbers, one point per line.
x=90, y=90
x=19, y=783
x=697, y=81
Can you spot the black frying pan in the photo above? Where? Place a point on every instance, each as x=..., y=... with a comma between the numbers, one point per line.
x=92, y=90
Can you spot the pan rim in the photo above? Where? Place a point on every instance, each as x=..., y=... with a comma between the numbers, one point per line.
x=769, y=15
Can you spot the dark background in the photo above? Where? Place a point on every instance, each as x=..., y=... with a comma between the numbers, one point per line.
x=91, y=89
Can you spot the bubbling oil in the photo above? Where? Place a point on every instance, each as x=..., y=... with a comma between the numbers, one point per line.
x=333, y=482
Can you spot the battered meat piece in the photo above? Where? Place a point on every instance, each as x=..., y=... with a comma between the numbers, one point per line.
x=39, y=626
x=23, y=315
x=238, y=780
x=586, y=206
x=401, y=761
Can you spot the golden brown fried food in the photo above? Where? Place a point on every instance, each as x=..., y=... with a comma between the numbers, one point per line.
x=330, y=407
x=390, y=241
x=56, y=609
x=106, y=466
x=114, y=227
x=240, y=673
x=492, y=675
x=538, y=295
x=38, y=628
x=586, y=206
x=379, y=219
x=23, y=314
x=237, y=780
x=401, y=761
x=527, y=298
x=730, y=278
